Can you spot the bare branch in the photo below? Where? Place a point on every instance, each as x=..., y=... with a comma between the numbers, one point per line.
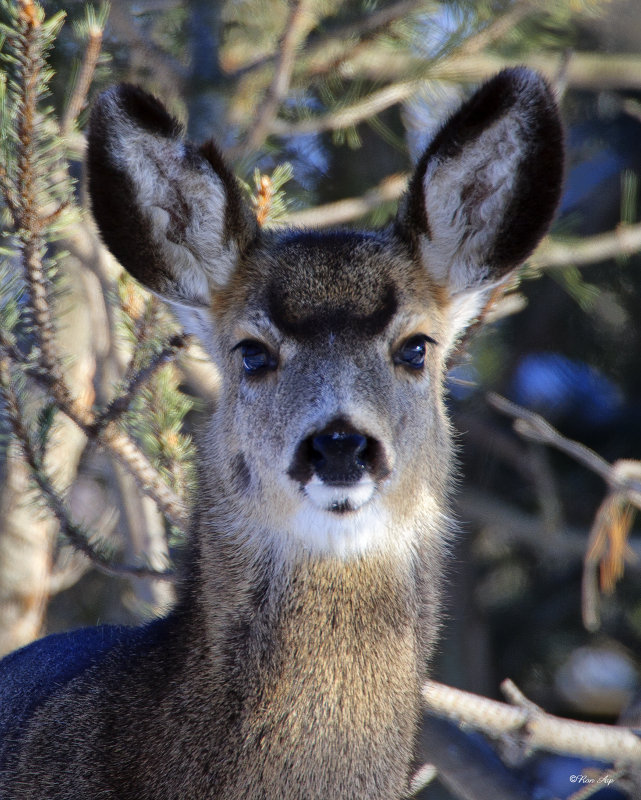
x=536, y=729
x=516, y=697
x=533, y=426
x=389, y=189
x=608, y=543
x=552, y=254
x=295, y=31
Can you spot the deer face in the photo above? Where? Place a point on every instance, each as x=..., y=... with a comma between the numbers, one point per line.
x=330, y=434
x=331, y=399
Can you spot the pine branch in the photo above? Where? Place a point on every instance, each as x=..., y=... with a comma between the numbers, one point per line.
x=30, y=45
x=120, y=404
x=27, y=218
x=127, y=452
x=74, y=533
x=9, y=195
x=400, y=91
x=78, y=99
x=110, y=436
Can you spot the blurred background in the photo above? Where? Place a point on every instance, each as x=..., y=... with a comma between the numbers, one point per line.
x=322, y=107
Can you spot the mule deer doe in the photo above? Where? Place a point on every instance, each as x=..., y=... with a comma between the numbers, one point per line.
x=292, y=664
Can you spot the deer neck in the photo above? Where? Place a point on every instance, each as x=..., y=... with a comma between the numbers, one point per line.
x=324, y=659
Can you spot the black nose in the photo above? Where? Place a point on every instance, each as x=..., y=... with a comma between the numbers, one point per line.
x=339, y=454
x=338, y=457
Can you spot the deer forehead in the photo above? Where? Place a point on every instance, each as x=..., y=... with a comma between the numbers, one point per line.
x=313, y=285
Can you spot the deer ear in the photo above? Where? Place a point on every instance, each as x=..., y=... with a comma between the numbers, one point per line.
x=172, y=214
x=487, y=187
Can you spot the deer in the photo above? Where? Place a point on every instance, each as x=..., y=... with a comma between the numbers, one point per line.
x=310, y=603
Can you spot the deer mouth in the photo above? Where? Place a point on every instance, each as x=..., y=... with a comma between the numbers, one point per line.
x=337, y=498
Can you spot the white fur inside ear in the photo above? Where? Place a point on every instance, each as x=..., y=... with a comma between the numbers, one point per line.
x=196, y=321
x=463, y=309
x=185, y=203
x=466, y=199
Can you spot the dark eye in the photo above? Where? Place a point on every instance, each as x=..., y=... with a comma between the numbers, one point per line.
x=412, y=352
x=256, y=357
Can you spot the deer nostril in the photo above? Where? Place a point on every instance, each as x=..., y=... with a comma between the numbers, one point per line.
x=338, y=457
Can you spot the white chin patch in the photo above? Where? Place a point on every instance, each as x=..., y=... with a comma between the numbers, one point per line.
x=339, y=499
x=341, y=521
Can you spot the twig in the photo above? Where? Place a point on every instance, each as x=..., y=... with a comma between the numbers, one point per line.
x=121, y=403
x=72, y=530
x=623, y=241
x=78, y=99
x=516, y=697
x=295, y=31
x=533, y=426
x=608, y=542
x=350, y=115
x=389, y=189
x=536, y=729
x=112, y=438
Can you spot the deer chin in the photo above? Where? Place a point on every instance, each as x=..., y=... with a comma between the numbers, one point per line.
x=340, y=499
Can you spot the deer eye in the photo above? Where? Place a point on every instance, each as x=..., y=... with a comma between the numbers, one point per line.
x=412, y=352
x=256, y=357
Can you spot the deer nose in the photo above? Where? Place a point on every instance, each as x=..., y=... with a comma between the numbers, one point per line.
x=338, y=457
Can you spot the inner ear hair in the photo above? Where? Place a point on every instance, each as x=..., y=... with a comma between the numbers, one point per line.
x=172, y=213
x=494, y=171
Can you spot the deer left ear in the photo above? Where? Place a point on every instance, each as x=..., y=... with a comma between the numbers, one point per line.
x=486, y=188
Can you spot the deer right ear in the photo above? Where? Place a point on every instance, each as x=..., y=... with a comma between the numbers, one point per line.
x=172, y=214
x=486, y=189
